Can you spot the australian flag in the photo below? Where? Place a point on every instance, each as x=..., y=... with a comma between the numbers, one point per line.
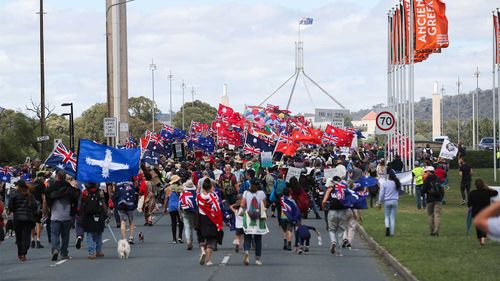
x=101, y=163
x=256, y=145
x=160, y=147
x=62, y=159
x=205, y=144
x=306, y=21
x=5, y=174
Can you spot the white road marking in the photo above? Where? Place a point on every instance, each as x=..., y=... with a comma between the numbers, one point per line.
x=59, y=263
x=105, y=240
x=225, y=260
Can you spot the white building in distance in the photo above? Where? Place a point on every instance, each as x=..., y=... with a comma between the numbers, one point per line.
x=367, y=124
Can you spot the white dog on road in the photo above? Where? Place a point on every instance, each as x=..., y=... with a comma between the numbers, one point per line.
x=123, y=249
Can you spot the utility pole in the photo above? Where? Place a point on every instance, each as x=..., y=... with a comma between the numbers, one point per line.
x=458, y=108
x=42, y=83
x=153, y=67
x=170, y=77
x=183, y=88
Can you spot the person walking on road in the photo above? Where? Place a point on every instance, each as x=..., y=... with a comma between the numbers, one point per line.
x=434, y=192
x=126, y=195
x=23, y=204
x=172, y=206
x=465, y=172
x=61, y=196
x=337, y=217
x=93, y=215
x=389, y=196
x=254, y=221
x=479, y=200
x=187, y=203
x=418, y=180
x=210, y=222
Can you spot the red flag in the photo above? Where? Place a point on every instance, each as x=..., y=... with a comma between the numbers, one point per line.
x=287, y=148
x=314, y=136
x=225, y=111
x=343, y=137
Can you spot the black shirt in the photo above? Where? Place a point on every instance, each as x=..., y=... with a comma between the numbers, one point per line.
x=466, y=172
x=480, y=199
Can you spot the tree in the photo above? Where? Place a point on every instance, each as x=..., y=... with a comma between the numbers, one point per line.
x=199, y=111
x=90, y=124
x=141, y=108
x=17, y=138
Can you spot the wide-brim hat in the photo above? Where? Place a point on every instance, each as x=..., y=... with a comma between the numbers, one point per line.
x=429, y=169
x=189, y=184
x=174, y=179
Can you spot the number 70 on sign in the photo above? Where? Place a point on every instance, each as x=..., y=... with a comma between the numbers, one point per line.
x=385, y=123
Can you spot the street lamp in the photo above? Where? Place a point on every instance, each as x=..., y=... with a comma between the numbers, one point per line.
x=183, y=88
x=170, y=77
x=71, y=126
x=153, y=67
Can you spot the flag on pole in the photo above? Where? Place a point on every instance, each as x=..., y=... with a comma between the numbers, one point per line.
x=306, y=21
x=62, y=159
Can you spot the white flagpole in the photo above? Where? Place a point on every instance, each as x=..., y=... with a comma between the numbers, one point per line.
x=411, y=82
x=403, y=60
x=494, y=103
x=389, y=80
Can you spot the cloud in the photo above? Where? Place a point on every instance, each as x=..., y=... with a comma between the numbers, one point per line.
x=247, y=45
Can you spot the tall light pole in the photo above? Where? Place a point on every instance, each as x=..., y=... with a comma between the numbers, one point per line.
x=458, y=108
x=183, y=118
x=153, y=67
x=192, y=95
x=170, y=77
x=42, y=83
x=475, y=105
x=71, y=126
x=108, y=65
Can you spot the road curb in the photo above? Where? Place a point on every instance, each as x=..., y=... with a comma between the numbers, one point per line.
x=403, y=272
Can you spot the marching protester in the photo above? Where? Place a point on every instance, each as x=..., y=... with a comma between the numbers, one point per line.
x=465, y=172
x=172, y=207
x=337, y=222
x=434, y=192
x=126, y=195
x=188, y=206
x=254, y=221
x=389, y=197
x=39, y=195
x=209, y=225
x=417, y=178
x=478, y=201
x=93, y=214
x=61, y=199
x=24, y=206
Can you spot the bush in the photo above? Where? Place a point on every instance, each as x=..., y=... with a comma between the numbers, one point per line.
x=476, y=159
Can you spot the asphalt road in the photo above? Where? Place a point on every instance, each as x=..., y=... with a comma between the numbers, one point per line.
x=158, y=259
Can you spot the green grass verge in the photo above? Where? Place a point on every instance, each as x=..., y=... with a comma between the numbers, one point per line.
x=452, y=255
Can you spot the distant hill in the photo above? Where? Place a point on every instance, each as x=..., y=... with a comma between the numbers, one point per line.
x=451, y=104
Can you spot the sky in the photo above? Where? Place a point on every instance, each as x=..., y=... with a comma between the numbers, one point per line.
x=248, y=45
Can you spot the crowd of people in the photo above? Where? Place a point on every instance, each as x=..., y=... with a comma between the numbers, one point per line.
x=231, y=191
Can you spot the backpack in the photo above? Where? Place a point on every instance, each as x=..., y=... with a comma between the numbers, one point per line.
x=227, y=186
x=279, y=186
x=265, y=183
x=254, y=209
x=92, y=202
x=126, y=198
x=173, y=202
x=436, y=189
x=303, y=201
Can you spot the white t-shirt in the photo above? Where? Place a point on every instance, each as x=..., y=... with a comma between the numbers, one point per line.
x=248, y=196
x=238, y=221
x=494, y=228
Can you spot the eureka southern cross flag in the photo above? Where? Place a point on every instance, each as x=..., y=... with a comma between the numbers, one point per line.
x=101, y=163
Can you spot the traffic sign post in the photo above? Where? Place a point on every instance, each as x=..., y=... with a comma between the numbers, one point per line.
x=385, y=123
x=42, y=138
x=110, y=127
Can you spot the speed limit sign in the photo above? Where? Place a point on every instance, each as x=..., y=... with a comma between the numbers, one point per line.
x=385, y=123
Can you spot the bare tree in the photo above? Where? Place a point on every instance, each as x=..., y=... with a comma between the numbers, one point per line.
x=36, y=108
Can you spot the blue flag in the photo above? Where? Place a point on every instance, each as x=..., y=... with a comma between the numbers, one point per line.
x=101, y=163
x=62, y=159
x=151, y=157
x=5, y=174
